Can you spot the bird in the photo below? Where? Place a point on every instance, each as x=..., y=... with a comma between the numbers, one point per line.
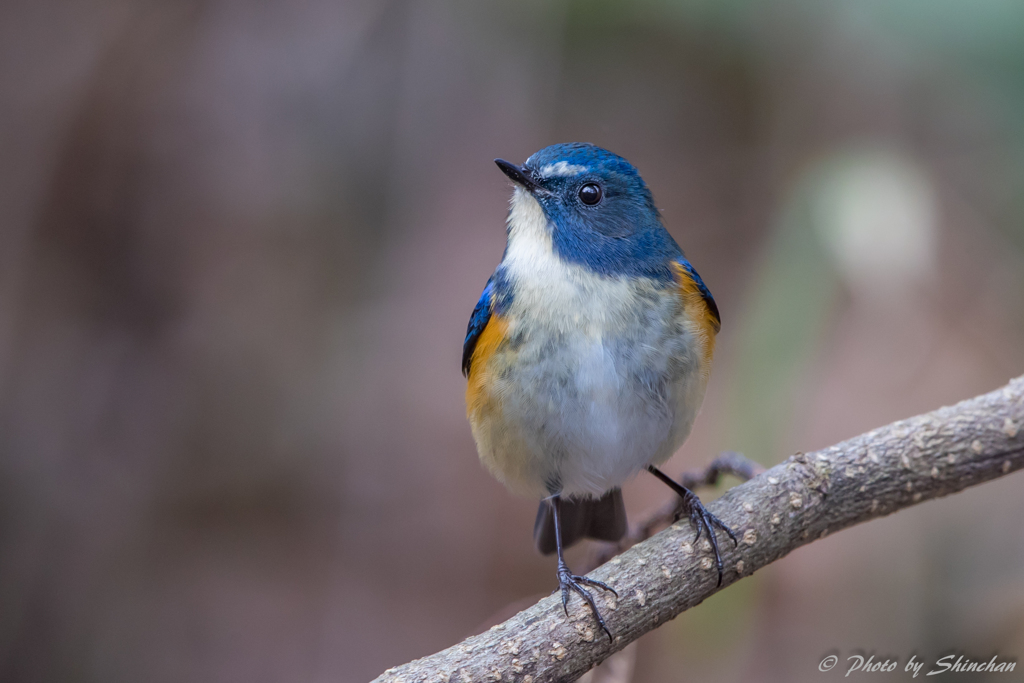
x=588, y=352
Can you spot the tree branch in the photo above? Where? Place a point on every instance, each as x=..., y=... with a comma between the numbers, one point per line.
x=794, y=503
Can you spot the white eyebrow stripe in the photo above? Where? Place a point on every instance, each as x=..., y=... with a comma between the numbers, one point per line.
x=562, y=169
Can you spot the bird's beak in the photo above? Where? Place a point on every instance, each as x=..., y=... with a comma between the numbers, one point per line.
x=518, y=175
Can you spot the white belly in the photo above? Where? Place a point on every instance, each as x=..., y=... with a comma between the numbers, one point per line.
x=584, y=409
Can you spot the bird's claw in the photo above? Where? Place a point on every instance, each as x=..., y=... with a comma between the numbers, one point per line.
x=703, y=520
x=567, y=580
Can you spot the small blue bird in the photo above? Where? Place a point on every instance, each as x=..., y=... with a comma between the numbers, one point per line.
x=589, y=350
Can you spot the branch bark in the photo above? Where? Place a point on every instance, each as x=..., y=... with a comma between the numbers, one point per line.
x=794, y=503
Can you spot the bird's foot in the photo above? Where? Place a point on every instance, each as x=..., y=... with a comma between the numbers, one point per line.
x=567, y=580
x=701, y=519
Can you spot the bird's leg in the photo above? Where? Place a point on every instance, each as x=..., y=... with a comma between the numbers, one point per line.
x=699, y=515
x=567, y=580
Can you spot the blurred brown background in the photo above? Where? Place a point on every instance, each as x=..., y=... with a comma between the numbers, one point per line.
x=239, y=244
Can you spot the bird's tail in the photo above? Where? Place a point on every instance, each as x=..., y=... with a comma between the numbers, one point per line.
x=602, y=518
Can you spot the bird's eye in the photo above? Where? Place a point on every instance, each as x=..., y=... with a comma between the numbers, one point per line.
x=590, y=194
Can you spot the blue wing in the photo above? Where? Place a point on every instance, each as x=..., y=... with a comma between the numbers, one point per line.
x=477, y=323
x=705, y=293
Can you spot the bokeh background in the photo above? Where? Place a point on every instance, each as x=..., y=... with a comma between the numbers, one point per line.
x=239, y=244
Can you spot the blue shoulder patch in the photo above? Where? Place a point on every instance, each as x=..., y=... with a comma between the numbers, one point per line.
x=477, y=322
x=705, y=293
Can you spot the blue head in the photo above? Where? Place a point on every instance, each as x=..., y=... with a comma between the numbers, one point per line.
x=599, y=211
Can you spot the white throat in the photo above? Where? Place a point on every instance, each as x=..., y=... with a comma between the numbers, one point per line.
x=550, y=290
x=531, y=254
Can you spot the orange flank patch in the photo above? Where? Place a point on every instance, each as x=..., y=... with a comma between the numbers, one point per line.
x=479, y=397
x=705, y=325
